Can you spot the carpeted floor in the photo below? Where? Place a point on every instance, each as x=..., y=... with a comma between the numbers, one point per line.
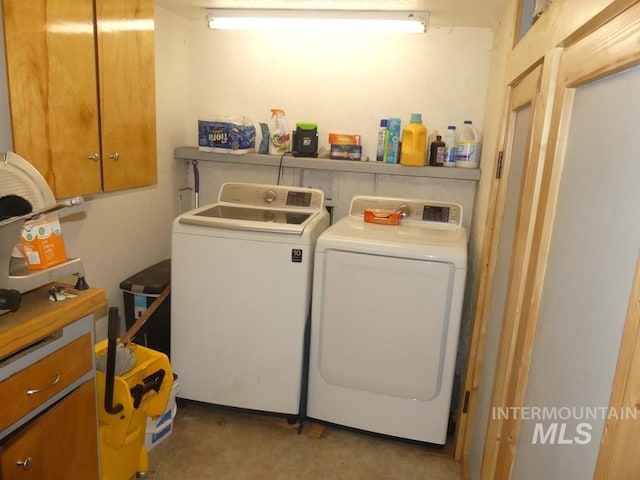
x=213, y=443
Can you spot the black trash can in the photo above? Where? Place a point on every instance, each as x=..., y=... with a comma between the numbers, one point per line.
x=140, y=291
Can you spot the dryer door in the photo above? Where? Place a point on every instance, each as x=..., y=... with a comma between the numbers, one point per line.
x=383, y=323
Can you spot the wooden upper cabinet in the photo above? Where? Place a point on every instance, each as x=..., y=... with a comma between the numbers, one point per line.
x=82, y=92
x=52, y=88
x=125, y=31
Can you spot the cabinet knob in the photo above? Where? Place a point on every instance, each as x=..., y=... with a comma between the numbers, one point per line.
x=25, y=464
x=94, y=156
x=115, y=156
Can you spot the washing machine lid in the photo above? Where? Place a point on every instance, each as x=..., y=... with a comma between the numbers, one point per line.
x=257, y=207
x=241, y=218
x=428, y=231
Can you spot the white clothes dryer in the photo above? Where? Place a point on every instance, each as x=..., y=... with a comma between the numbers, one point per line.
x=240, y=295
x=386, y=309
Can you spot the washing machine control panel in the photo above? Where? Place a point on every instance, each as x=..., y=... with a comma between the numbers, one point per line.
x=442, y=213
x=272, y=196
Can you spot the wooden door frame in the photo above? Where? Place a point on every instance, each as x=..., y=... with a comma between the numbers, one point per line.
x=484, y=289
x=514, y=352
x=520, y=96
x=610, y=49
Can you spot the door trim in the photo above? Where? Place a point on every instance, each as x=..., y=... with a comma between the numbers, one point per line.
x=517, y=335
x=524, y=92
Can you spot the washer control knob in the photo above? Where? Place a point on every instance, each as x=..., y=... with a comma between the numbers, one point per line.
x=270, y=196
x=404, y=210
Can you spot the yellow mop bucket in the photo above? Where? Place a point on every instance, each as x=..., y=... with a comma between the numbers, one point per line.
x=125, y=401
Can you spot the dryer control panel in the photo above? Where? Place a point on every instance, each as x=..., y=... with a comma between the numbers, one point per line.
x=272, y=196
x=413, y=210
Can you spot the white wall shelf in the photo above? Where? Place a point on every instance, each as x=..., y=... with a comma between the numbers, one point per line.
x=193, y=153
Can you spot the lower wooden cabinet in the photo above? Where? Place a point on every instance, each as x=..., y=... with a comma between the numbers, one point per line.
x=61, y=443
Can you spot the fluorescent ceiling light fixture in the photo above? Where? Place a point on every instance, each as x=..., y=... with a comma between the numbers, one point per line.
x=348, y=21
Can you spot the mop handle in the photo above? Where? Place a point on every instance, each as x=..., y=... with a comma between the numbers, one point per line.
x=110, y=380
x=145, y=316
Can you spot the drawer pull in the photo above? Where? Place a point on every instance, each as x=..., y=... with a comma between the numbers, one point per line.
x=25, y=464
x=38, y=390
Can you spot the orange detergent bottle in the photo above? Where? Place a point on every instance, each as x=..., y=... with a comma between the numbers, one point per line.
x=414, y=142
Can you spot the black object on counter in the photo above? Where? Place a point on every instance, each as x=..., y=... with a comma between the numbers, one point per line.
x=305, y=141
x=10, y=299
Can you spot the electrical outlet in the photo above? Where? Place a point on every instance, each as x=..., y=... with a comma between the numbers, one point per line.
x=321, y=180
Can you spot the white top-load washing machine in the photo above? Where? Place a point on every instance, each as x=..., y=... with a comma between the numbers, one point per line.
x=387, y=303
x=240, y=295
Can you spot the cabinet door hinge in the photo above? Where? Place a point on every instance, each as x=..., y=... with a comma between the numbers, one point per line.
x=499, y=165
x=465, y=405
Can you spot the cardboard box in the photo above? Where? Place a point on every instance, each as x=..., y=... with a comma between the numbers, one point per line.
x=343, y=139
x=382, y=217
x=346, y=152
x=159, y=428
x=43, y=242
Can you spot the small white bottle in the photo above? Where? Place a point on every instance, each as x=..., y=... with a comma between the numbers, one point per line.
x=450, y=147
x=468, y=151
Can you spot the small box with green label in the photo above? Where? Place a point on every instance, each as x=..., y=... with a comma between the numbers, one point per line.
x=43, y=243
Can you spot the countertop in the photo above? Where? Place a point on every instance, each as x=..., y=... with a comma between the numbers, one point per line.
x=39, y=317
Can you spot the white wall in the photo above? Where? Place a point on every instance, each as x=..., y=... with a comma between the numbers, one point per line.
x=344, y=83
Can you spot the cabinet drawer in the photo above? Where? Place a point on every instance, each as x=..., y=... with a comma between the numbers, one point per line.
x=29, y=388
x=61, y=443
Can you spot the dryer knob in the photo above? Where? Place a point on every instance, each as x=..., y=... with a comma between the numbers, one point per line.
x=270, y=196
x=404, y=210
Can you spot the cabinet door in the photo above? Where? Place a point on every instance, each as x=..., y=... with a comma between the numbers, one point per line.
x=83, y=106
x=52, y=88
x=60, y=443
x=127, y=92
